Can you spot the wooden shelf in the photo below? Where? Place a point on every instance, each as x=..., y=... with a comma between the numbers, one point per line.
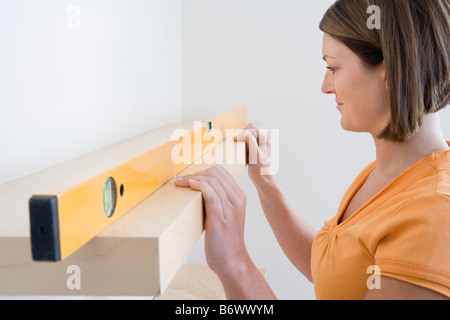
x=195, y=282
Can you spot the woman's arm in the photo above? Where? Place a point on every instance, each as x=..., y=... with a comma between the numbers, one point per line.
x=245, y=282
x=294, y=235
x=392, y=289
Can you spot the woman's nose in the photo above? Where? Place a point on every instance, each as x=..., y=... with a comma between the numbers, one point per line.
x=328, y=85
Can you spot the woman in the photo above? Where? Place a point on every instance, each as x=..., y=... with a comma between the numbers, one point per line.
x=395, y=217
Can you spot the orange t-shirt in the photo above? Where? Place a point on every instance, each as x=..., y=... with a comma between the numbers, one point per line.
x=404, y=230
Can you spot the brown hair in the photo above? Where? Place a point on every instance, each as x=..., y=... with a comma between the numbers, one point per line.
x=414, y=43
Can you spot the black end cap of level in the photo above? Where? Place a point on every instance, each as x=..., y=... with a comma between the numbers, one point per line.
x=44, y=229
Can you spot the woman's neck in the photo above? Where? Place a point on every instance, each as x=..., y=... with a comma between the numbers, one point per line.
x=395, y=158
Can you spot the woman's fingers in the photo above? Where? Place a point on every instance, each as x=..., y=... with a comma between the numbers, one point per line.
x=182, y=181
x=211, y=187
x=216, y=176
x=213, y=197
x=225, y=179
x=259, y=135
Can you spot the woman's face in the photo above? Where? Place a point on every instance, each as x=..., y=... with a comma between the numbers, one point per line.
x=361, y=92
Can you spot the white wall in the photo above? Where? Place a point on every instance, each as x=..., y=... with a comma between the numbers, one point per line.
x=78, y=75
x=267, y=54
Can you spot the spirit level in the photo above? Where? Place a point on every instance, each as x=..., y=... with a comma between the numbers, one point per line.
x=75, y=209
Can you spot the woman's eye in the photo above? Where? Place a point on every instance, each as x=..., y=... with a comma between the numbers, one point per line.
x=333, y=70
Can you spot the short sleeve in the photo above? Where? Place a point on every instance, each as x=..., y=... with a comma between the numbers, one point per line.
x=415, y=246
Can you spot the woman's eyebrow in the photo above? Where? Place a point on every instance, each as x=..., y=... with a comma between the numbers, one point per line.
x=327, y=56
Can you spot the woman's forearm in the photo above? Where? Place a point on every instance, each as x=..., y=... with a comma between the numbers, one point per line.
x=294, y=235
x=245, y=282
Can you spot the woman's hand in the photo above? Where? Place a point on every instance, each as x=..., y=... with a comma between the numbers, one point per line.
x=258, y=151
x=225, y=249
x=225, y=204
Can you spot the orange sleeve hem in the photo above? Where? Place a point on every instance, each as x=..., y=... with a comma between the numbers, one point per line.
x=429, y=278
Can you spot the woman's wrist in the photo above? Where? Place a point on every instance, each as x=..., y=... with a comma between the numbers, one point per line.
x=234, y=269
x=263, y=181
x=243, y=281
x=266, y=185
